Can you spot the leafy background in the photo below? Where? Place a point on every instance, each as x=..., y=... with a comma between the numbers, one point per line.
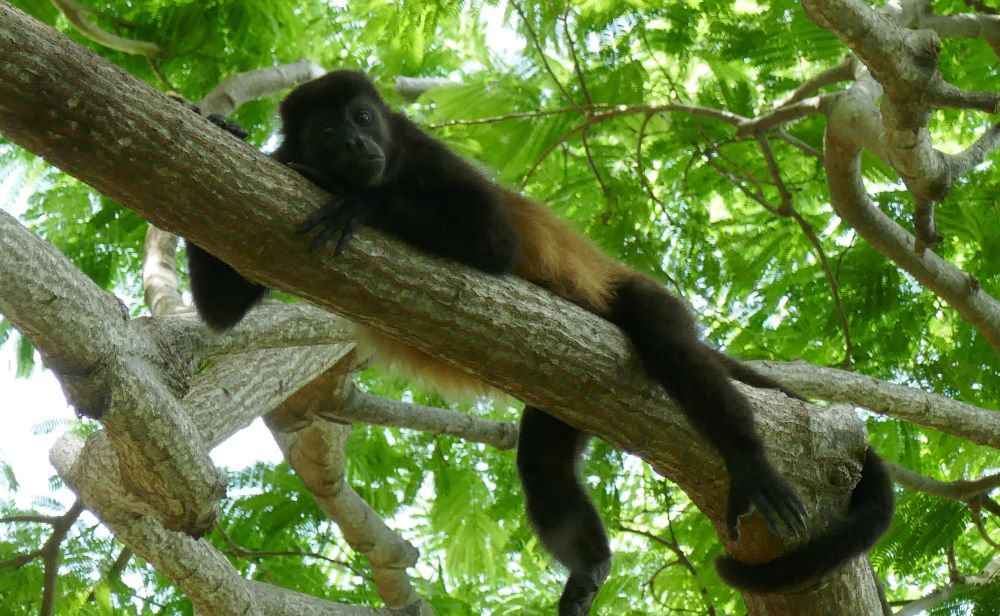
x=664, y=208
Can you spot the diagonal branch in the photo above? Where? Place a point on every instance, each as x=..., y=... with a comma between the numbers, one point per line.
x=365, y=408
x=975, y=424
x=316, y=449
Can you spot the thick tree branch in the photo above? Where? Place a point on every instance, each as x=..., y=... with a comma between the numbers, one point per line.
x=202, y=573
x=904, y=63
x=128, y=141
x=110, y=367
x=853, y=123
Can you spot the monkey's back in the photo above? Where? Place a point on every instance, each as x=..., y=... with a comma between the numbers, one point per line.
x=553, y=255
x=557, y=257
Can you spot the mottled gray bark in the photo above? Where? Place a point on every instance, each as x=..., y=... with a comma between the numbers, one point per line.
x=136, y=146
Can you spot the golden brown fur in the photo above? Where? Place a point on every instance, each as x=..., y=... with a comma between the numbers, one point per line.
x=557, y=257
x=553, y=255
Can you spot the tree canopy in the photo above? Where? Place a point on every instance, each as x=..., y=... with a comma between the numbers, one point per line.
x=816, y=179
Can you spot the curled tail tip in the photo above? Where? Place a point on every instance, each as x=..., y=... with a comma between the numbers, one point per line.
x=868, y=517
x=739, y=574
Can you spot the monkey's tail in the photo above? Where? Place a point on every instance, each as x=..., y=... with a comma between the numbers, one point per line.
x=868, y=516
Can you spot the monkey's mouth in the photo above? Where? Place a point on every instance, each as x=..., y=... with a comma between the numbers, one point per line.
x=371, y=167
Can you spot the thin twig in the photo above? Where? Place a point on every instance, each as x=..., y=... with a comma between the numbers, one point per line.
x=564, y=18
x=682, y=558
x=114, y=572
x=974, y=493
x=50, y=556
x=775, y=172
x=832, y=279
x=842, y=72
x=641, y=171
x=20, y=560
x=240, y=552
x=541, y=52
x=513, y=116
x=975, y=154
x=40, y=519
x=593, y=167
x=785, y=115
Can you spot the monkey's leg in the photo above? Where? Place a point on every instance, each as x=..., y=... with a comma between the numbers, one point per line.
x=663, y=332
x=558, y=507
x=745, y=374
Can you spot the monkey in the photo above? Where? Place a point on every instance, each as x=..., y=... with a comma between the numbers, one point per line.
x=384, y=172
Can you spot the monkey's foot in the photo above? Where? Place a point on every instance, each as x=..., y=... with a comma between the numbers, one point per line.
x=581, y=588
x=755, y=484
x=228, y=125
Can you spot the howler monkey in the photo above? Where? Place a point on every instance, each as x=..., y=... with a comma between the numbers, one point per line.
x=383, y=171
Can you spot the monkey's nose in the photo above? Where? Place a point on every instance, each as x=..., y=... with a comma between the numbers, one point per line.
x=354, y=144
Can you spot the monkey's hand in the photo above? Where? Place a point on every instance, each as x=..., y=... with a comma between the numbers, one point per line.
x=342, y=213
x=756, y=484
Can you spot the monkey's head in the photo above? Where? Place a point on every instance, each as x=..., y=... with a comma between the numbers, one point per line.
x=339, y=125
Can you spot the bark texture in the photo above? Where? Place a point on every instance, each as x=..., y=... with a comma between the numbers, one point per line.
x=101, y=125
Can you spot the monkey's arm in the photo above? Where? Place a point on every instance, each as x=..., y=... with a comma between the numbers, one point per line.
x=466, y=223
x=221, y=295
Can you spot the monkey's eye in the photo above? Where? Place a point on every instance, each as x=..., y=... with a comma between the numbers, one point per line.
x=363, y=116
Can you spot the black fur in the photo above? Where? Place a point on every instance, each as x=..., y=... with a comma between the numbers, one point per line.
x=560, y=510
x=383, y=171
x=868, y=516
x=221, y=296
x=426, y=194
x=664, y=335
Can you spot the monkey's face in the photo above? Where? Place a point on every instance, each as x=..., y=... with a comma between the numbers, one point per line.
x=348, y=143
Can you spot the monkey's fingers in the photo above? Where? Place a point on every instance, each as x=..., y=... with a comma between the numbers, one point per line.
x=334, y=217
x=768, y=511
x=789, y=506
x=346, y=234
x=779, y=503
x=333, y=214
x=322, y=237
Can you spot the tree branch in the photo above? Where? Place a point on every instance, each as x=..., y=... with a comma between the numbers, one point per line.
x=137, y=140
x=966, y=421
x=366, y=408
x=316, y=449
x=159, y=258
x=200, y=571
x=961, y=490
